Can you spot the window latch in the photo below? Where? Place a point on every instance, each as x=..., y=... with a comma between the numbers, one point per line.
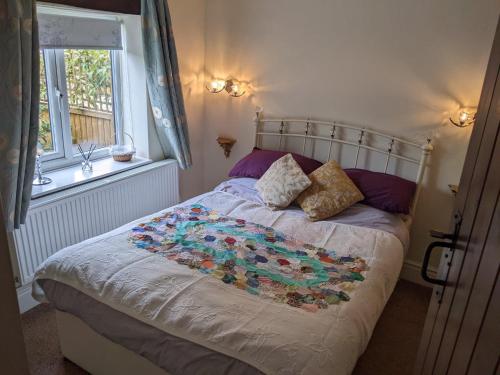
x=59, y=94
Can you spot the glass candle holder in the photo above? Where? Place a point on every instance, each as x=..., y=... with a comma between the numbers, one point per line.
x=86, y=166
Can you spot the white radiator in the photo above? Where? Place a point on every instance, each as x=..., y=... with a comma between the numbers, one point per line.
x=68, y=217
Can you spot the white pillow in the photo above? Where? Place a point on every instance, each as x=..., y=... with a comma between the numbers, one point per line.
x=282, y=182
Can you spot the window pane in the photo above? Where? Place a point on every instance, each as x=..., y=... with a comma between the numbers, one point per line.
x=90, y=97
x=45, y=129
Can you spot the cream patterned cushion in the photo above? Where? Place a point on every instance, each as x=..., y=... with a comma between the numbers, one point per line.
x=282, y=182
x=330, y=193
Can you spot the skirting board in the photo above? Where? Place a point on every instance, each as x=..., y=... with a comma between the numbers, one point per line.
x=410, y=272
x=24, y=298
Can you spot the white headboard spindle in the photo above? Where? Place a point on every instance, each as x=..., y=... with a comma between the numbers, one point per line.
x=308, y=134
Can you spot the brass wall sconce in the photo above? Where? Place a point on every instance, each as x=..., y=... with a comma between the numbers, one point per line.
x=226, y=144
x=465, y=118
x=232, y=87
x=215, y=86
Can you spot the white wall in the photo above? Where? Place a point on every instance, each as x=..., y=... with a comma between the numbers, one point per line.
x=188, y=19
x=396, y=65
x=138, y=120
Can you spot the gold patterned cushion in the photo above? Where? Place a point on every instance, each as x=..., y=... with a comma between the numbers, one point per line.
x=331, y=192
x=282, y=182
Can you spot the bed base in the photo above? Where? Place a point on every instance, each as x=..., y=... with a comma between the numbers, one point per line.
x=97, y=354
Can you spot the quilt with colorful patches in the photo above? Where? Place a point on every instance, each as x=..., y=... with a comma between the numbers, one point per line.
x=251, y=257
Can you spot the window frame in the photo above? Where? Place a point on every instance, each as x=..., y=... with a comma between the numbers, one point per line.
x=53, y=106
x=58, y=104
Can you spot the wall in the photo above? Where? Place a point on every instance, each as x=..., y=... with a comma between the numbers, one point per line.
x=188, y=19
x=137, y=120
x=13, y=354
x=396, y=65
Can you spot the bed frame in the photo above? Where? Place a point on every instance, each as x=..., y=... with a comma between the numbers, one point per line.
x=335, y=134
x=100, y=356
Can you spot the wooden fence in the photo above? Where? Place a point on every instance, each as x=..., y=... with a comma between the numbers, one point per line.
x=89, y=126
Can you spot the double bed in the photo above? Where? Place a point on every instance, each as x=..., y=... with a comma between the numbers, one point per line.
x=123, y=307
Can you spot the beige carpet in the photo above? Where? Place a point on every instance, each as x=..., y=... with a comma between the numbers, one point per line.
x=392, y=349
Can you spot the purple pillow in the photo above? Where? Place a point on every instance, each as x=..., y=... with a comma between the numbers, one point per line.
x=258, y=162
x=384, y=191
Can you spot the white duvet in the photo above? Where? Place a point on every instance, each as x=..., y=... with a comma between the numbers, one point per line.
x=274, y=338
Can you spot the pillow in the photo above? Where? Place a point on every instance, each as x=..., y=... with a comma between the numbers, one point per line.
x=258, y=162
x=330, y=193
x=384, y=191
x=282, y=183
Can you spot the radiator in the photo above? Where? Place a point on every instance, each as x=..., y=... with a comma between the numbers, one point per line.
x=68, y=217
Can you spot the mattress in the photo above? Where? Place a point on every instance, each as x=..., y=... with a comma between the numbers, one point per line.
x=210, y=326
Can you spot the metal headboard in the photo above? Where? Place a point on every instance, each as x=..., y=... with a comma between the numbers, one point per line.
x=336, y=129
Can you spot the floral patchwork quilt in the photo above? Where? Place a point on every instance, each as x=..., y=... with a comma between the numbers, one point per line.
x=251, y=257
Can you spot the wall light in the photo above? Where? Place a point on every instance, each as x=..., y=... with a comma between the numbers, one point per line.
x=232, y=87
x=465, y=118
x=215, y=86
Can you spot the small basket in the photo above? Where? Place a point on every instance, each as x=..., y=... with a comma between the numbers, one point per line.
x=123, y=153
x=123, y=157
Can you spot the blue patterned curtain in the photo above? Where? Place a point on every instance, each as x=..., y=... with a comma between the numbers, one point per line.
x=164, y=86
x=19, y=96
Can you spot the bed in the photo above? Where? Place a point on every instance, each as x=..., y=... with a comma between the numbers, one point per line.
x=126, y=308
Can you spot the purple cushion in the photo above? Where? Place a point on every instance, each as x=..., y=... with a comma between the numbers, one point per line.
x=258, y=162
x=384, y=191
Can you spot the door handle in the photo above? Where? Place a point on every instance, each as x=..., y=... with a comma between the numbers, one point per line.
x=452, y=237
x=442, y=235
x=427, y=257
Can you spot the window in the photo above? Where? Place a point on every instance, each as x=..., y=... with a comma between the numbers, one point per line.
x=79, y=101
x=80, y=85
x=45, y=128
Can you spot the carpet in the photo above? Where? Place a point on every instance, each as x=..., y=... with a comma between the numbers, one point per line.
x=391, y=351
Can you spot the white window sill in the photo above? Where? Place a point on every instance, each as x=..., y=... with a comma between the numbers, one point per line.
x=66, y=178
